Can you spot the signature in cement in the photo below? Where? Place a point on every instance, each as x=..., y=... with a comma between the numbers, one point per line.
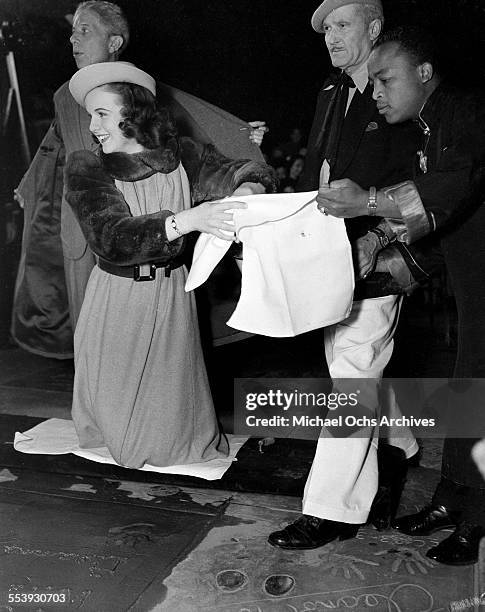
x=402, y=539
x=369, y=600
x=97, y=563
x=385, y=603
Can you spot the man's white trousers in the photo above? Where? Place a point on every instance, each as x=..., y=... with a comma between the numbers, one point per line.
x=344, y=476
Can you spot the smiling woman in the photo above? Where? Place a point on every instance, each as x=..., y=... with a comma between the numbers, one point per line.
x=105, y=108
x=140, y=385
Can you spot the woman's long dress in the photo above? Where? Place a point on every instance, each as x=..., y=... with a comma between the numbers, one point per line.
x=140, y=385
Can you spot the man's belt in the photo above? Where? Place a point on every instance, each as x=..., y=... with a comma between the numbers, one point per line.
x=139, y=272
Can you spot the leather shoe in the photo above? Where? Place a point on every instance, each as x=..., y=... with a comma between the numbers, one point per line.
x=415, y=460
x=309, y=532
x=425, y=522
x=393, y=467
x=381, y=512
x=460, y=548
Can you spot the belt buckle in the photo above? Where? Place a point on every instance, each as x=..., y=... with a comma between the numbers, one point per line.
x=141, y=278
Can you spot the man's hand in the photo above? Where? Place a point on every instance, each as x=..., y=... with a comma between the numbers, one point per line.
x=257, y=131
x=344, y=199
x=18, y=198
x=365, y=251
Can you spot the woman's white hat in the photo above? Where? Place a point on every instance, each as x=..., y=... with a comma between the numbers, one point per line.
x=95, y=75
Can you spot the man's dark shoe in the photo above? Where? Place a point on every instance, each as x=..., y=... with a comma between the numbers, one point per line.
x=415, y=460
x=381, y=512
x=393, y=468
x=425, y=522
x=309, y=532
x=461, y=547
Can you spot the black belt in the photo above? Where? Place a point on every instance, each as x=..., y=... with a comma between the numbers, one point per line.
x=136, y=272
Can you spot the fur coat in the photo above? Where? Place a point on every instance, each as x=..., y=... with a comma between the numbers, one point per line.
x=105, y=218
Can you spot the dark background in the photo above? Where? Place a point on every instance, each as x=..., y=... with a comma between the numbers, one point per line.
x=259, y=59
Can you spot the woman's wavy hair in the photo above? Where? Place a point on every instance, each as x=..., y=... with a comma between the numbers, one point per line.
x=143, y=118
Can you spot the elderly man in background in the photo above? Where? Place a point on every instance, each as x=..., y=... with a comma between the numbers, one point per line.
x=44, y=317
x=443, y=197
x=51, y=283
x=349, y=138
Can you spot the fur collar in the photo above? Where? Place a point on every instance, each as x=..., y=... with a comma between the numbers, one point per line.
x=137, y=166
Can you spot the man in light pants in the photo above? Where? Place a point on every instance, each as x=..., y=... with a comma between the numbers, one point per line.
x=344, y=477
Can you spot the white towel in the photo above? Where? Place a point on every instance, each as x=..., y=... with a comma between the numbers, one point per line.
x=297, y=272
x=59, y=437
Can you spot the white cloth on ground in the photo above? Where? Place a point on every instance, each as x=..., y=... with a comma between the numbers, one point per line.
x=59, y=437
x=297, y=272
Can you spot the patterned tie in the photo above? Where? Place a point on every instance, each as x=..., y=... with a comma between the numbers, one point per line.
x=329, y=138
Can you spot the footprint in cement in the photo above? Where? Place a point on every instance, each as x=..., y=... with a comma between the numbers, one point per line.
x=231, y=581
x=278, y=585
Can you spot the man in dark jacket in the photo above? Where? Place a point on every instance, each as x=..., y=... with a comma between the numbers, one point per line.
x=444, y=198
x=338, y=494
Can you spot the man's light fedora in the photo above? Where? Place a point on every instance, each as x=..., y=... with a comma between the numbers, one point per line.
x=330, y=5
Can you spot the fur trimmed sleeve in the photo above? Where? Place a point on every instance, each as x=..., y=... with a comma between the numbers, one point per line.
x=105, y=218
x=213, y=176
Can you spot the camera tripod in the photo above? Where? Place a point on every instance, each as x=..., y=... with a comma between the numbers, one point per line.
x=14, y=92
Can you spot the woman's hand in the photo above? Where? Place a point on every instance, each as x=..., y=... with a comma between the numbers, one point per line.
x=210, y=217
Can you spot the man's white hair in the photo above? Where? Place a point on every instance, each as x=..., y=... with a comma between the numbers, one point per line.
x=111, y=16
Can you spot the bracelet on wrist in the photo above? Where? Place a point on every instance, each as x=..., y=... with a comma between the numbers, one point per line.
x=372, y=202
x=173, y=223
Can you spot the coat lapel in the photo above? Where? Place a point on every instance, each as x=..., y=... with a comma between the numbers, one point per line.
x=360, y=113
x=313, y=163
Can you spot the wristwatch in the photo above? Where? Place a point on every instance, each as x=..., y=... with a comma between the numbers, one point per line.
x=384, y=239
x=372, y=202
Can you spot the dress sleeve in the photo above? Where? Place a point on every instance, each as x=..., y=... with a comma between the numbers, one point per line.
x=213, y=176
x=106, y=221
